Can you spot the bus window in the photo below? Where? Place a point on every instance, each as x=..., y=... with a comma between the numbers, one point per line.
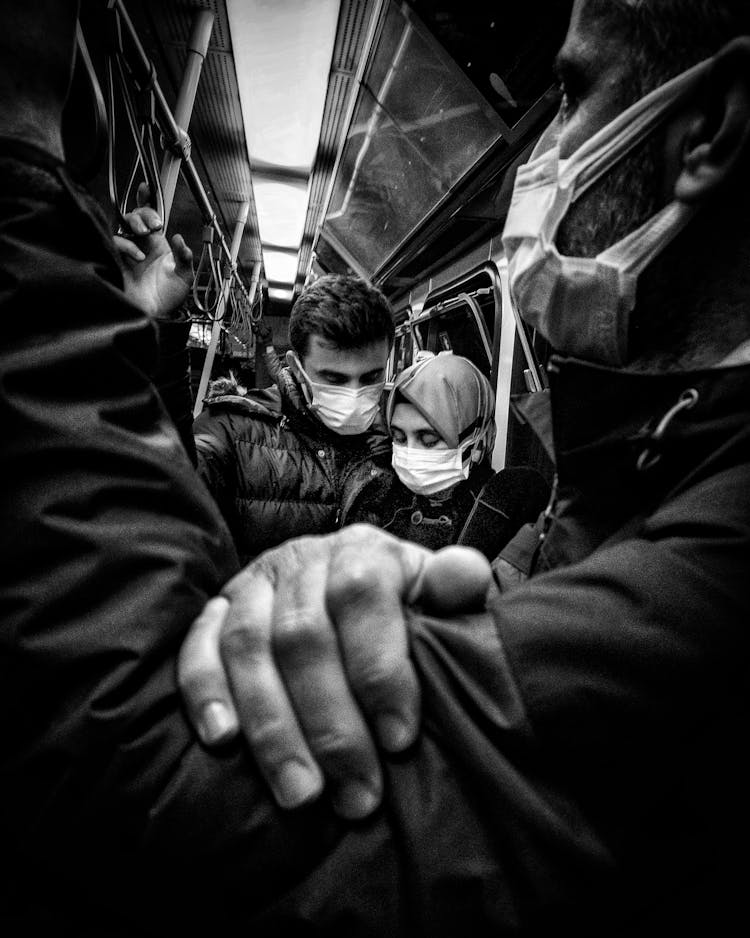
x=457, y=326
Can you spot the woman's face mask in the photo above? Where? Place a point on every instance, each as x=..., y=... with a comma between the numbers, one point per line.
x=427, y=471
x=344, y=410
x=421, y=458
x=581, y=305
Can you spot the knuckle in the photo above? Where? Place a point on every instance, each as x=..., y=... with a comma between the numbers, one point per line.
x=301, y=632
x=336, y=747
x=240, y=642
x=380, y=681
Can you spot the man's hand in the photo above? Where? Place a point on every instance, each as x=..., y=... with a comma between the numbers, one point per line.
x=263, y=331
x=156, y=277
x=307, y=649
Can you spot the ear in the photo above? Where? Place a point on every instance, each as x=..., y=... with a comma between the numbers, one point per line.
x=717, y=140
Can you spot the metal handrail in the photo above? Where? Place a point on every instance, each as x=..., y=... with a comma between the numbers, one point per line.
x=174, y=138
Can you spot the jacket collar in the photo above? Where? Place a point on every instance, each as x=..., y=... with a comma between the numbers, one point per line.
x=594, y=415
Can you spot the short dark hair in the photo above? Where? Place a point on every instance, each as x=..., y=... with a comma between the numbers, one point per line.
x=346, y=311
x=665, y=37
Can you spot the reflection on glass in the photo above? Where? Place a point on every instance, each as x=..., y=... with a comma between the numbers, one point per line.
x=418, y=126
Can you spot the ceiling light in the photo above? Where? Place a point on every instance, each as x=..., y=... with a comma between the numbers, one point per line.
x=281, y=209
x=280, y=266
x=280, y=293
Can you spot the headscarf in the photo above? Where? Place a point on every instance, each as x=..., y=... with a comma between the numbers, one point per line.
x=454, y=397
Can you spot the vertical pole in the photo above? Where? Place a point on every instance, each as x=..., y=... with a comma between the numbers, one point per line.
x=197, y=48
x=226, y=286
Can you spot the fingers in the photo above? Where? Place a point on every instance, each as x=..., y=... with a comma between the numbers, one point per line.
x=128, y=250
x=370, y=576
x=306, y=648
x=142, y=195
x=143, y=221
x=265, y=710
x=201, y=678
x=183, y=259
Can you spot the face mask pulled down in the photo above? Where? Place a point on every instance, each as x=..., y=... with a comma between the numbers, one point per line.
x=581, y=305
x=344, y=410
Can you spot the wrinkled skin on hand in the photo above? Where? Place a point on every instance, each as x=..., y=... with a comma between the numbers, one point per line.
x=306, y=653
x=156, y=277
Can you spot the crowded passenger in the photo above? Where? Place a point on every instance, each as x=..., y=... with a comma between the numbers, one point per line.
x=440, y=414
x=294, y=458
x=576, y=766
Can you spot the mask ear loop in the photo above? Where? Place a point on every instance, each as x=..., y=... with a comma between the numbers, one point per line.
x=592, y=159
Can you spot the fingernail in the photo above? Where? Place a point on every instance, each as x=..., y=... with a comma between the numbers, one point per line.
x=155, y=224
x=139, y=255
x=295, y=784
x=355, y=800
x=216, y=723
x=394, y=733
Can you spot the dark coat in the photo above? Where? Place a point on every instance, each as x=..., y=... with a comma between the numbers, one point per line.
x=580, y=768
x=483, y=512
x=277, y=472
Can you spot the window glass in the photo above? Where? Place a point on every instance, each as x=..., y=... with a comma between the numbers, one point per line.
x=454, y=330
x=419, y=125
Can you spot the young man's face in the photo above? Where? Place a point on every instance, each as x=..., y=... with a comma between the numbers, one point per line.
x=354, y=368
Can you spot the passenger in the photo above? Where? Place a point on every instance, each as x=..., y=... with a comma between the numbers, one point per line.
x=441, y=417
x=578, y=768
x=294, y=458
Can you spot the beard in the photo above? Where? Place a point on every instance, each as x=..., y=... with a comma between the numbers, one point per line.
x=618, y=203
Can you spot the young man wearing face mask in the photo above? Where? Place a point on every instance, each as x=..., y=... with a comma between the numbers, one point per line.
x=295, y=458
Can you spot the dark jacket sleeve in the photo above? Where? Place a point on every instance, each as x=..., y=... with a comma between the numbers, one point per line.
x=172, y=375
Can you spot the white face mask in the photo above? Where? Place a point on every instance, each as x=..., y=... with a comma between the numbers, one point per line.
x=344, y=410
x=426, y=471
x=583, y=305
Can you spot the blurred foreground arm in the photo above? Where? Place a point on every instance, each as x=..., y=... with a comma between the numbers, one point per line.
x=308, y=645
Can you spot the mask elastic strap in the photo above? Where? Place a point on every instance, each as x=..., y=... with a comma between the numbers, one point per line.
x=638, y=249
x=615, y=140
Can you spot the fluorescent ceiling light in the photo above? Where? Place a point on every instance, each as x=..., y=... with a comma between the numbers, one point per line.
x=280, y=267
x=282, y=51
x=282, y=54
x=281, y=209
x=280, y=293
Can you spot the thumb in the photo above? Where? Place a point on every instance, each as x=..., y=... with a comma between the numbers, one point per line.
x=202, y=680
x=453, y=580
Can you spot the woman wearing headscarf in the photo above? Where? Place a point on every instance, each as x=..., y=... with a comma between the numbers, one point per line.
x=440, y=414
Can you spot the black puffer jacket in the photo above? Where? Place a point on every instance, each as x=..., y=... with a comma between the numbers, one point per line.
x=277, y=472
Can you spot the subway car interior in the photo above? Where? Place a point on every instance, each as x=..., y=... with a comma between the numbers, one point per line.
x=286, y=139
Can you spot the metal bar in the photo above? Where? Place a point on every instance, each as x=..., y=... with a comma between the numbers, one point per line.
x=173, y=133
x=239, y=230
x=197, y=47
